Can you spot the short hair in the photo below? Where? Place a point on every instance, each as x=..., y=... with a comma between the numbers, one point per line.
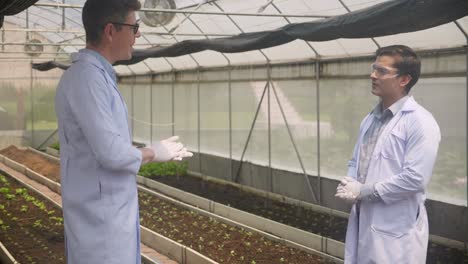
x=96, y=13
x=407, y=62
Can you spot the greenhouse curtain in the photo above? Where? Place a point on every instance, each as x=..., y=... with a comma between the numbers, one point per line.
x=13, y=7
x=383, y=19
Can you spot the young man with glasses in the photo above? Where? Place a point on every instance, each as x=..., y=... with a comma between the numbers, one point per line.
x=98, y=162
x=391, y=166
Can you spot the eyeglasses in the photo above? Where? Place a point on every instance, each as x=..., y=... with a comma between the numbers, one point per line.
x=381, y=71
x=135, y=26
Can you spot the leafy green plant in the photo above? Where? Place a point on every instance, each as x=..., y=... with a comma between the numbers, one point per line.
x=56, y=146
x=164, y=169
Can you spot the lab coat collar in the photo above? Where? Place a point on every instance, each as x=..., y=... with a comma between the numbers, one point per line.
x=410, y=105
x=95, y=58
x=405, y=104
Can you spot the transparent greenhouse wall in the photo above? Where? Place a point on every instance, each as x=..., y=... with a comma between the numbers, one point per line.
x=27, y=114
x=42, y=120
x=201, y=116
x=12, y=112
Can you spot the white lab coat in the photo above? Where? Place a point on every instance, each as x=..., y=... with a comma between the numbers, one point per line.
x=395, y=230
x=98, y=167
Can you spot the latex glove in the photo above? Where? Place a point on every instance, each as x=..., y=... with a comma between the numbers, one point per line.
x=349, y=189
x=168, y=149
x=183, y=154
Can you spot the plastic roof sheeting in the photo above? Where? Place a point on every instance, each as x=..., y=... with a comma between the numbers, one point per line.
x=69, y=31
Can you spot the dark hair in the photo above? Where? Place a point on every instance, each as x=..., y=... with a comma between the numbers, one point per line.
x=96, y=13
x=406, y=61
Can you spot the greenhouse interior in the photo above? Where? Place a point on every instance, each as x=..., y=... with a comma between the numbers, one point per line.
x=269, y=96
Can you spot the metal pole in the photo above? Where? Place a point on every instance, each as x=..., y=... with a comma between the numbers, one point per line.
x=241, y=30
x=31, y=96
x=198, y=123
x=145, y=32
x=133, y=106
x=172, y=103
x=462, y=31
x=33, y=52
x=317, y=98
x=47, y=139
x=3, y=38
x=151, y=110
x=27, y=24
x=160, y=10
x=198, y=89
x=270, y=174
x=289, y=22
x=250, y=133
x=466, y=145
x=231, y=169
x=349, y=11
x=63, y=16
x=294, y=144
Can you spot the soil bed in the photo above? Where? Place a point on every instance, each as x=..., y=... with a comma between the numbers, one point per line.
x=305, y=219
x=31, y=228
x=219, y=241
x=216, y=240
x=299, y=217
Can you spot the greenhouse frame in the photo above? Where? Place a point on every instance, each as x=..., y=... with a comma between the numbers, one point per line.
x=268, y=95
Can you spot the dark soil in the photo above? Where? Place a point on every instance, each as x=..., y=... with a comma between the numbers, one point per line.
x=299, y=217
x=31, y=227
x=305, y=219
x=221, y=242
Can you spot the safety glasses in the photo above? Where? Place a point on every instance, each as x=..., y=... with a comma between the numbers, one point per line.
x=381, y=71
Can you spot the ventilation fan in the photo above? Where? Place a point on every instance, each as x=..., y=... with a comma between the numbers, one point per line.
x=33, y=47
x=155, y=19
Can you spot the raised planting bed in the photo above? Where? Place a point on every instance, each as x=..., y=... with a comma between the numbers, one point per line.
x=217, y=238
x=33, y=161
x=218, y=192
x=31, y=227
x=299, y=217
x=305, y=219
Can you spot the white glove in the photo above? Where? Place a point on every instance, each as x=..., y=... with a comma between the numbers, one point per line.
x=183, y=154
x=169, y=149
x=349, y=189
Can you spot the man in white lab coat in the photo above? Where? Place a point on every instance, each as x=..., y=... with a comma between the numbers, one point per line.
x=391, y=166
x=98, y=162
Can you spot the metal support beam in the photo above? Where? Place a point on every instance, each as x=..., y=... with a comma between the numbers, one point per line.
x=306, y=177
x=289, y=22
x=132, y=96
x=462, y=30
x=466, y=138
x=151, y=112
x=47, y=139
x=317, y=98
x=269, y=83
x=241, y=30
x=178, y=11
x=250, y=134
x=146, y=32
x=63, y=16
x=3, y=38
x=349, y=11
x=231, y=169
x=68, y=45
x=199, y=124
x=173, y=103
x=31, y=96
